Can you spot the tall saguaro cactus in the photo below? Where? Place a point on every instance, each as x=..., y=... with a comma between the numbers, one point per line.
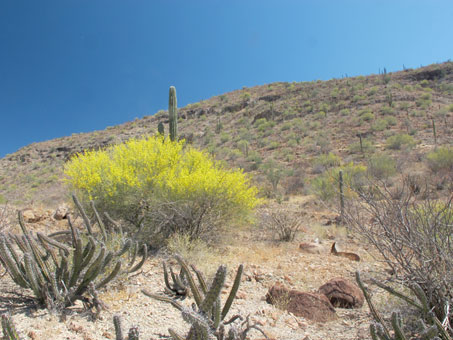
x=173, y=114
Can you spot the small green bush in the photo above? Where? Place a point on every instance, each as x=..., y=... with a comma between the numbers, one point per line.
x=381, y=166
x=320, y=115
x=392, y=121
x=400, y=141
x=367, y=146
x=380, y=125
x=387, y=110
x=345, y=112
x=327, y=160
x=367, y=117
x=326, y=185
x=224, y=137
x=441, y=159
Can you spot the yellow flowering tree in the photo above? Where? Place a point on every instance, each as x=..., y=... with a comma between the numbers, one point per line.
x=166, y=186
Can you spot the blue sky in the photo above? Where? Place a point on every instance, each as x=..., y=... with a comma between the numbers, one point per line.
x=69, y=66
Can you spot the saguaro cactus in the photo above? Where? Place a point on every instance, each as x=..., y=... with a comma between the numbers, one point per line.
x=160, y=128
x=340, y=174
x=173, y=114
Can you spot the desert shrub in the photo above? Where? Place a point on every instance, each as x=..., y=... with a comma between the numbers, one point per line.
x=379, y=125
x=392, y=121
x=284, y=224
x=286, y=126
x=399, y=141
x=294, y=184
x=193, y=250
x=441, y=159
x=255, y=159
x=367, y=146
x=224, y=137
x=165, y=186
x=387, y=110
x=381, y=166
x=263, y=124
x=368, y=116
x=372, y=91
x=345, y=112
x=412, y=236
x=319, y=115
x=326, y=185
x=325, y=161
x=273, y=172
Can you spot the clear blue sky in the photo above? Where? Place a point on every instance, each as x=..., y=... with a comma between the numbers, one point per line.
x=70, y=66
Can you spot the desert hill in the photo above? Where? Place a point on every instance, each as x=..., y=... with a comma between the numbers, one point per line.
x=277, y=130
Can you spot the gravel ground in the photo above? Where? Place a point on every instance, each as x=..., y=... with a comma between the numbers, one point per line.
x=153, y=318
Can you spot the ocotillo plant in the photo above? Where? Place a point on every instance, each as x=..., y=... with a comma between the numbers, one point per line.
x=173, y=114
x=59, y=273
x=207, y=317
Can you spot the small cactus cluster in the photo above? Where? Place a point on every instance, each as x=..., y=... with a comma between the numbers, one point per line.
x=133, y=333
x=60, y=273
x=206, y=316
x=379, y=331
x=179, y=286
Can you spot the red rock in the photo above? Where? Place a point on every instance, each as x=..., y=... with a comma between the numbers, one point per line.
x=312, y=306
x=342, y=293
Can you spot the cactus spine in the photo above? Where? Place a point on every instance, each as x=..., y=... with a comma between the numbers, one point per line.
x=173, y=114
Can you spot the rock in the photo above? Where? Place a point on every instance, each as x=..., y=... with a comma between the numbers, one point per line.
x=61, y=212
x=310, y=248
x=32, y=216
x=342, y=293
x=312, y=306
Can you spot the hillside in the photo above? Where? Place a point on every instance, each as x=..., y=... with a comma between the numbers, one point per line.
x=275, y=131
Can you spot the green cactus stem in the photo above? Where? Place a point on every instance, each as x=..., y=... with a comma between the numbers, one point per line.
x=173, y=114
x=161, y=129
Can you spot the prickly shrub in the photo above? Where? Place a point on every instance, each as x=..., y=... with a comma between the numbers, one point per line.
x=162, y=185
